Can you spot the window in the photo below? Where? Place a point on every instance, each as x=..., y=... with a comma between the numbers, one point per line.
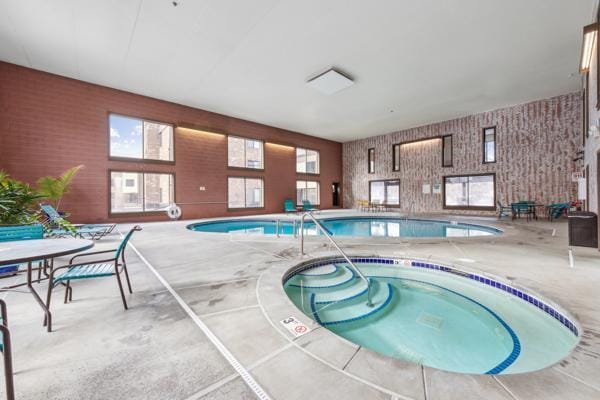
x=489, y=145
x=307, y=190
x=371, y=157
x=135, y=192
x=447, y=151
x=244, y=153
x=245, y=193
x=472, y=191
x=140, y=139
x=307, y=161
x=396, y=157
x=586, y=104
x=385, y=192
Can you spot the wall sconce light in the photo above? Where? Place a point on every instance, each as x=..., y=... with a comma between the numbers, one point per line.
x=589, y=38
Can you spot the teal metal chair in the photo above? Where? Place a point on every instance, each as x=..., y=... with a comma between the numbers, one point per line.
x=288, y=206
x=19, y=232
x=503, y=211
x=89, y=231
x=6, y=350
x=112, y=266
x=306, y=206
x=557, y=209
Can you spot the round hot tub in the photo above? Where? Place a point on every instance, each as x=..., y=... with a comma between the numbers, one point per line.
x=434, y=315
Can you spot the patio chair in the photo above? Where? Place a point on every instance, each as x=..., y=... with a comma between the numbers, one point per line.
x=112, y=266
x=6, y=350
x=503, y=211
x=90, y=231
x=288, y=206
x=556, y=210
x=306, y=206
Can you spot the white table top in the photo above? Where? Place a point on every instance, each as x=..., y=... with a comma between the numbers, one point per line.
x=39, y=249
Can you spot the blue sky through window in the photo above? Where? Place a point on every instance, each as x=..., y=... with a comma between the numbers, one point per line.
x=125, y=137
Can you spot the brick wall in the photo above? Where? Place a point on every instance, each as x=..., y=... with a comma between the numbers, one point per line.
x=49, y=123
x=536, y=143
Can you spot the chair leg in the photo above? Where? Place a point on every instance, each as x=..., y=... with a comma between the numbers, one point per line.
x=67, y=288
x=121, y=290
x=8, y=369
x=127, y=278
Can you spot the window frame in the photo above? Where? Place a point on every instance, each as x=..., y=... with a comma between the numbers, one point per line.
x=318, y=162
x=111, y=213
x=385, y=191
x=245, y=160
x=495, y=144
x=370, y=150
x=244, y=178
x=443, y=137
x=141, y=160
x=318, y=182
x=472, y=208
x=396, y=150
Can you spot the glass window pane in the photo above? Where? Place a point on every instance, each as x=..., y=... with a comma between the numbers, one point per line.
x=447, y=151
x=489, y=145
x=371, y=161
x=158, y=191
x=236, y=152
x=254, y=192
x=392, y=191
x=300, y=160
x=396, y=161
x=481, y=191
x=158, y=141
x=236, y=193
x=254, y=154
x=377, y=191
x=312, y=162
x=125, y=136
x=126, y=192
x=456, y=189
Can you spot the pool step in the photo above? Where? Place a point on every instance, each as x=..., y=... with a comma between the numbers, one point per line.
x=353, y=310
x=321, y=271
x=356, y=288
x=343, y=276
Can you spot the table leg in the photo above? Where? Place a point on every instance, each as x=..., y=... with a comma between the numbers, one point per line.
x=48, y=315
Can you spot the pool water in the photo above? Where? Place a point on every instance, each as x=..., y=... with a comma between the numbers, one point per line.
x=356, y=226
x=433, y=318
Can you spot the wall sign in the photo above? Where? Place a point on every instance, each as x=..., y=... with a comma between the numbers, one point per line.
x=437, y=188
x=426, y=188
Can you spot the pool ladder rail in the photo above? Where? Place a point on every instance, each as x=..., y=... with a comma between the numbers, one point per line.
x=327, y=234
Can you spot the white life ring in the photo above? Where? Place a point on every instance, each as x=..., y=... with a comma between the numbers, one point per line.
x=173, y=211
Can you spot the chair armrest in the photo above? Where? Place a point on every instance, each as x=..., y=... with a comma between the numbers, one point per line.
x=91, y=254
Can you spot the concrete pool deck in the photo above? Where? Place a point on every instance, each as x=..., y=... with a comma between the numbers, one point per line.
x=203, y=302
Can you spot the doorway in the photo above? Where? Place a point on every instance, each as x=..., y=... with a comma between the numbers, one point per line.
x=335, y=191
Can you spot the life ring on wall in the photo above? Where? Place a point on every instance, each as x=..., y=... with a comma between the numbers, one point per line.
x=174, y=211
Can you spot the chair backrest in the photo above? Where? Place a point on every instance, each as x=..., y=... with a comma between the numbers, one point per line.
x=50, y=212
x=21, y=232
x=288, y=205
x=123, y=243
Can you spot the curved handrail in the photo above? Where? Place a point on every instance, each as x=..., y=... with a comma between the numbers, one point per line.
x=327, y=234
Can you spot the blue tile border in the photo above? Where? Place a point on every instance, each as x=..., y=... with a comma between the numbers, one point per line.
x=534, y=301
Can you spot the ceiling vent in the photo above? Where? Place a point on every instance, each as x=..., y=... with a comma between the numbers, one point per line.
x=330, y=82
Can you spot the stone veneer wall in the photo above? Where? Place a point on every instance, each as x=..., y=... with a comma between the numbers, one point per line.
x=536, y=143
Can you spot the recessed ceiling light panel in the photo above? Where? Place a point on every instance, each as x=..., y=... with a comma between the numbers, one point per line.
x=330, y=82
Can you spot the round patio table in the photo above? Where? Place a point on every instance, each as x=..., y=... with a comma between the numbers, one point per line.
x=27, y=251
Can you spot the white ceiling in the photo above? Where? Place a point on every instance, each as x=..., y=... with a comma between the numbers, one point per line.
x=427, y=60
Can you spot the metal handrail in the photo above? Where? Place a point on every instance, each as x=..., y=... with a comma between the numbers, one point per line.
x=328, y=236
